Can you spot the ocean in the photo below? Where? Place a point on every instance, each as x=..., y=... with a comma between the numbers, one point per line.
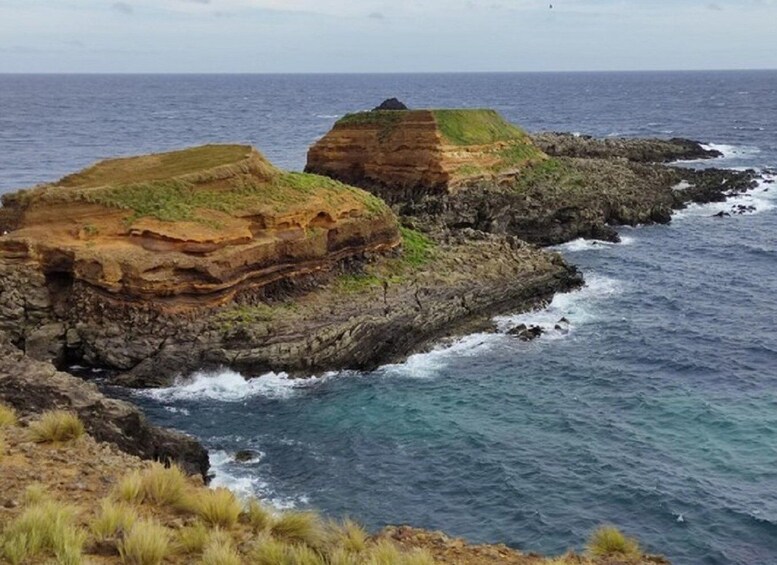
x=656, y=412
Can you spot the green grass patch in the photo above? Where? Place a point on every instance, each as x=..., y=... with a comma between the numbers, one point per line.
x=178, y=200
x=418, y=249
x=386, y=120
x=246, y=315
x=476, y=127
x=517, y=155
x=470, y=171
x=550, y=174
x=357, y=283
x=45, y=529
x=149, y=168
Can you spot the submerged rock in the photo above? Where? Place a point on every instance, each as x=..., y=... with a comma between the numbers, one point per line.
x=246, y=455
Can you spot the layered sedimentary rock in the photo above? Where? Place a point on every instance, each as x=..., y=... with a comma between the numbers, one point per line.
x=468, y=168
x=158, y=266
x=403, y=155
x=192, y=225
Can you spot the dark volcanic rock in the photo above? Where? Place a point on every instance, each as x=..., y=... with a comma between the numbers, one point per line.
x=33, y=386
x=391, y=104
x=637, y=150
x=526, y=333
x=245, y=455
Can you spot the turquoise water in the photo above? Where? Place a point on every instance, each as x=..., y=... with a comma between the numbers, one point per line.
x=657, y=411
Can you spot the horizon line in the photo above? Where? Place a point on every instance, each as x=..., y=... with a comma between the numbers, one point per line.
x=334, y=73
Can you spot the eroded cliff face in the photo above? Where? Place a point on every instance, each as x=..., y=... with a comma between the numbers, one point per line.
x=190, y=227
x=405, y=154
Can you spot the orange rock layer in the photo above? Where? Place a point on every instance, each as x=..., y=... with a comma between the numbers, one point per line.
x=198, y=223
x=403, y=154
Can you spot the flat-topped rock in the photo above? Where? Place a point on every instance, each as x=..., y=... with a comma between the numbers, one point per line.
x=198, y=224
x=405, y=154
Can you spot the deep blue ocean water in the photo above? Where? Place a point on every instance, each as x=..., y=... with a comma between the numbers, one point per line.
x=657, y=412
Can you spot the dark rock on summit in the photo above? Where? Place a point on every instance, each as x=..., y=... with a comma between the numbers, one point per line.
x=391, y=104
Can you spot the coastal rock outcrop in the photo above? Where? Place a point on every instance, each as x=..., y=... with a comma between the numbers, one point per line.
x=403, y=155
x=33, y=387
x=469, y=168
x=198, y=224
x=638, y=150
x=154, y=267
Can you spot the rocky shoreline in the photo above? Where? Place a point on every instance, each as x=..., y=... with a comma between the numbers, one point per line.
x=94, y=272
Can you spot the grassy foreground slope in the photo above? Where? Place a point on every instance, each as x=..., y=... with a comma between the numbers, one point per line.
x=71, y=500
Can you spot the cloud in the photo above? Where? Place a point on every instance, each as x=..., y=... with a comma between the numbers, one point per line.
x=376, y=16
x=714, y=7
x=196, y=1
x=123, y=7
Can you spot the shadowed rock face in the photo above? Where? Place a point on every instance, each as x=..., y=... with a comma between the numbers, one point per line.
x=192, y=226
x=402, y=155
x=33, y=387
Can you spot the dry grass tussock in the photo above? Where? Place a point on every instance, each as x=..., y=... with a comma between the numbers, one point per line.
x=146, y=543
x=609, y=541
x=56, y=426
x=44, y=529
x=7, y=416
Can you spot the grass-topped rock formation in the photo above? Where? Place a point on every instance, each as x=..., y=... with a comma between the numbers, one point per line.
x=201, y=224
x=404, y=154
x=161, y=265
x=456, y=169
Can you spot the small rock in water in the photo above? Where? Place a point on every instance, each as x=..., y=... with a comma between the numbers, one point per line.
x=721, y=214
x=391, y=104
x=526, y=333
x=742, y=209
x=245, y=455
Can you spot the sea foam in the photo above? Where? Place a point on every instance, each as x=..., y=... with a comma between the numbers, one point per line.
x=578, y=306
x=763, y=197
x=581, y=244
x=229, y=386
x=247, y=483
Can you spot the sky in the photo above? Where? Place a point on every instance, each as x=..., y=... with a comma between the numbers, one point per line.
x=331, y=36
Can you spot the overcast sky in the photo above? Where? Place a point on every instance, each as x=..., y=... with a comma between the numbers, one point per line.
x=384, y=35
